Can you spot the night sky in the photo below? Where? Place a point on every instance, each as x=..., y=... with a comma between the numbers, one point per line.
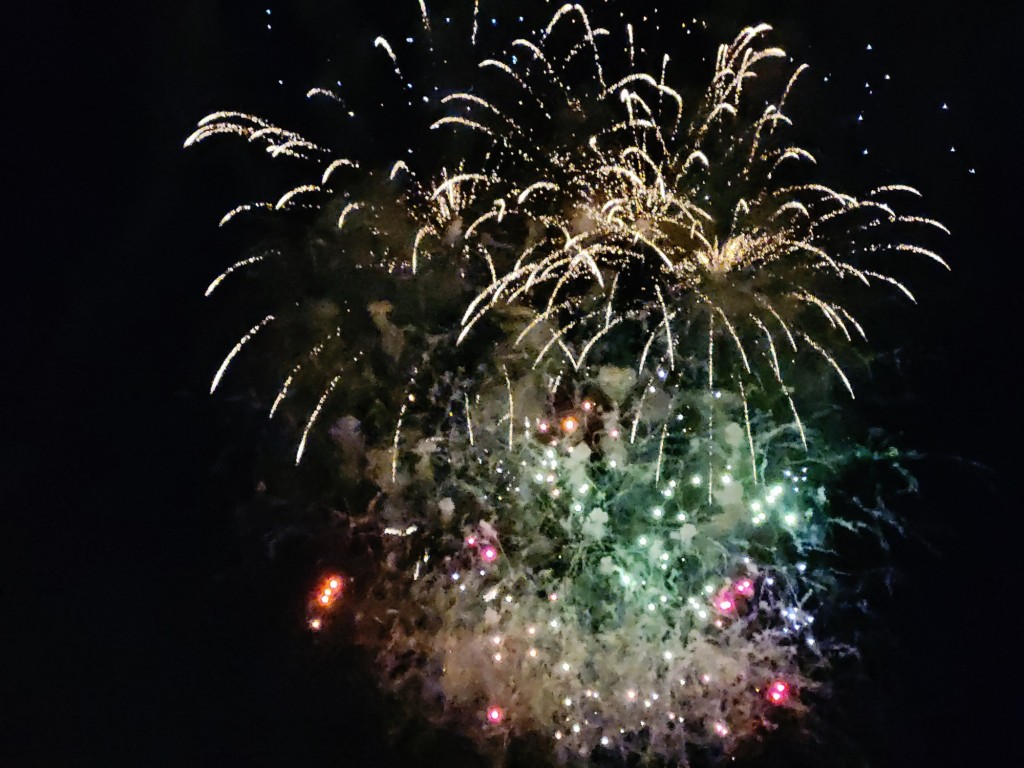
x=144, y=623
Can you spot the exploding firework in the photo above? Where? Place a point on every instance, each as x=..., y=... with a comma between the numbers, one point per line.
x=587, y=205
x=578, y=319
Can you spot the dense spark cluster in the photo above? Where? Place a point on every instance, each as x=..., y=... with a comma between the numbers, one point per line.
x=580, y=317
x=650, y=216
x=589, y=588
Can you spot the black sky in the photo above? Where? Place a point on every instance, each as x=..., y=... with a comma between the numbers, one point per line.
x=142, y=624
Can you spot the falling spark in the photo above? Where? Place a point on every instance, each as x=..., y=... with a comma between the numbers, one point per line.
x=287, y=196
x=346, y=211
x=313, y=417
x=511, y=409
x=661, y=453
x=237, y=265
x=397, y=168
x=394, y=445
x=242, y=209
x=335, y=165
x=469, y=422
x=426, y=17
x=750, y=434
x=323, y=92
x=236, y=349
x=381, y=42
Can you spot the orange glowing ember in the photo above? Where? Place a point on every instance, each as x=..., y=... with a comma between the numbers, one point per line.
x=321, y=601
x=570, y=424
x=330, y=590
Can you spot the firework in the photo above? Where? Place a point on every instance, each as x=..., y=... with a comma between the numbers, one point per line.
x=580, y=320
x=695, y=206
x=584, y=583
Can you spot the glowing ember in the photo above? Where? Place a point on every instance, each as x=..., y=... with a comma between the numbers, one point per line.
x=778, y=692
x=330, y=590
x=495, y=715
x=489, y=554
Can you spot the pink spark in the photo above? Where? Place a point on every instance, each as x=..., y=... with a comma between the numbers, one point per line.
x=778, y=692
x=744, y=587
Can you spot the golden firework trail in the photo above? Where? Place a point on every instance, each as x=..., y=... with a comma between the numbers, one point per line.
x=702, y=208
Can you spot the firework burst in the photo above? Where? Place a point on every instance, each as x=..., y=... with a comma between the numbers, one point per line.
x=578, y=317
x=601, y=205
